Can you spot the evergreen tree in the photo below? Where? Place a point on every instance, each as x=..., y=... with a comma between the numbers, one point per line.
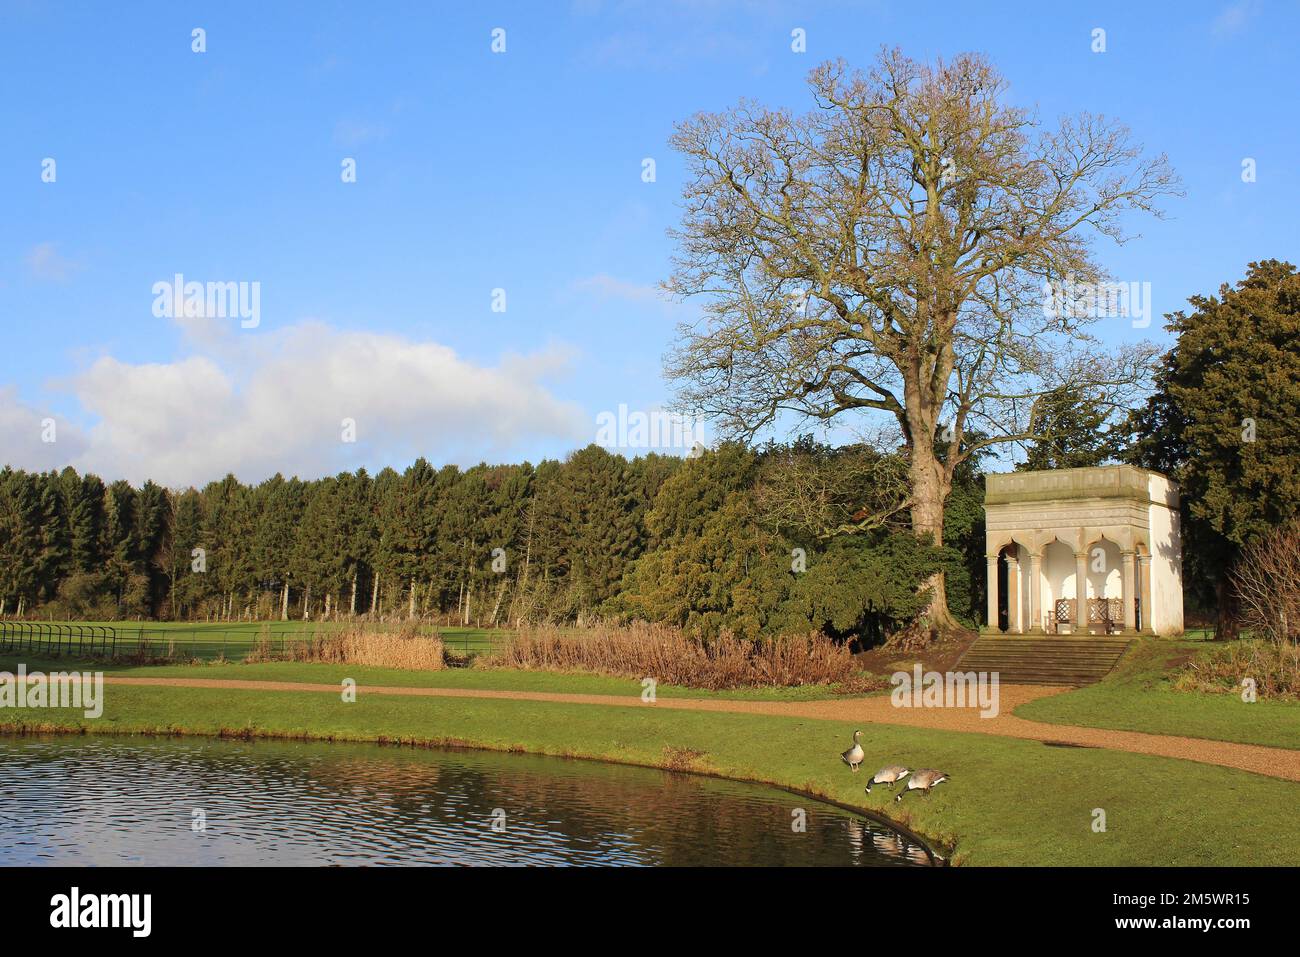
x=56, y=548
x=1071, y=432
x=20, y=540
x=1222, y=423
x=187, y=571
x=152, y=534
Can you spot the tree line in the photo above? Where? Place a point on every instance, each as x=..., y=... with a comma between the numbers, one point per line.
x=731, y=540
x=485, y=541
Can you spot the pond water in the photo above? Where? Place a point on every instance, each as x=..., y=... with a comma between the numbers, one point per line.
x=202, y=801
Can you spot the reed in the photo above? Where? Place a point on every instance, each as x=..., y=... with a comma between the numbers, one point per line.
x=642, y=650
x=406, y=649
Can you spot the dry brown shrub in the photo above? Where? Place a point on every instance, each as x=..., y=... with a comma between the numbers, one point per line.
x=1267, y=582
x=683, y=759
x=642, y=650
x=1275, y=669
x=406, y=649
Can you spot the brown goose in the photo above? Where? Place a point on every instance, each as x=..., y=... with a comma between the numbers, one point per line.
x=854, y=755
x=922, y=781
x=890, y=775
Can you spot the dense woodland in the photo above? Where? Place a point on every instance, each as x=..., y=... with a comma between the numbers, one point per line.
x=697, y=542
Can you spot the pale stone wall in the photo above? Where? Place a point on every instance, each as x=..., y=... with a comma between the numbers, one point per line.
x=1060, y=517
x=1166, y=570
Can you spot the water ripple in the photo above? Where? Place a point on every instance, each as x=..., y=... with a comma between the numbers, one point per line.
x=115, y=801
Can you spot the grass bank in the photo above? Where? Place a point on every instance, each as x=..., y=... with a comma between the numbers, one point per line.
x=1009, y=801
x=474, y=679
x=1138, y=696
x=233, y=640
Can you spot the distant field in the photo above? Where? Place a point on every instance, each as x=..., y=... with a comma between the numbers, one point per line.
x=232, y=641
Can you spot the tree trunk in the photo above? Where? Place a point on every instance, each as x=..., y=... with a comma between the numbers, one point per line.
x=352, y=607
x=411, y=612
x=521, y=592
x=496, y=608
x=306, y=604
x=1225, y=622
x=930, y=489
x=326, y=616
x=374, y=597
x=284, y=602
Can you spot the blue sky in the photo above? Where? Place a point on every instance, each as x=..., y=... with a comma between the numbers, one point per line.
x=478, y=171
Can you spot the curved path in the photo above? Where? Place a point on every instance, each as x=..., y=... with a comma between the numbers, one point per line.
x=1274, y=762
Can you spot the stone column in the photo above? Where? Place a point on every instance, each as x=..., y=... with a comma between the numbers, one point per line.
x=1081, y=592
x=1130, y=609
x=1035, y=593
x=1015, y=614
x=1144, y=589
x=992, y=578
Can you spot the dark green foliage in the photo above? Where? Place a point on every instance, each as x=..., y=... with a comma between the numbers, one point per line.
x=712, y=567
x=1223, y=422
x=864, y=586
x=1073, y=433
x=732, y=553
x=739, y=540
x=489, y=544
x=963, y=553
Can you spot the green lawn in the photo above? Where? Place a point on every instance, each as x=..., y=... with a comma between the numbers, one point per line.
x=1137, y=696
x=497, y=679
x=233, y=640
x=1009, y=801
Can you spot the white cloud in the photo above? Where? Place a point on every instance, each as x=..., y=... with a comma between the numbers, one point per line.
x=276, y=402
x=1233, y=17
x=608, y=287
x=605, y=288
x=45, y=262
x=23, y=430
x=353, y=133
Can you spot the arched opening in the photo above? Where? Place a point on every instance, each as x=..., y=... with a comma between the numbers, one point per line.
x=1013, y=587
x=1059, y=590
x=1105, y=586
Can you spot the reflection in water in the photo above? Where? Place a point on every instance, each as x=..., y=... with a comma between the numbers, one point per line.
x=113, y=801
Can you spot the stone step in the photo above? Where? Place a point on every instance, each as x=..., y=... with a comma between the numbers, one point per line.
x=1064, y=660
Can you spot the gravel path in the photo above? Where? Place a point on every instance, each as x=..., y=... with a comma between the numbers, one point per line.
x=1274, y=762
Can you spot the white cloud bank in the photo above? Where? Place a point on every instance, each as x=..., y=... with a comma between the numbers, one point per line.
x=256, y=404
x=25, y=435
x=46, y=263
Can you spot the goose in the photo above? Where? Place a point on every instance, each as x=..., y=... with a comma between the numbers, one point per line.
x=890, y=775
x=922, y=781
x=854, y=755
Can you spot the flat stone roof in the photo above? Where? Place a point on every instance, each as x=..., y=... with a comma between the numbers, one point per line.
x=1100, y=482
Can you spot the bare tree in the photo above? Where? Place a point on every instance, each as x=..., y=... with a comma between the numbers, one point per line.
x=888, y=252
x=821, y=492
x=1267, y=582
